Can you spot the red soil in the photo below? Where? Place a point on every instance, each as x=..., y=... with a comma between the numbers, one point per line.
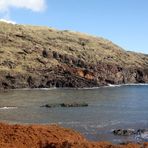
x=49, y=136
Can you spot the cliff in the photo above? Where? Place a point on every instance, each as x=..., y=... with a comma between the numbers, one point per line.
x=36, y=57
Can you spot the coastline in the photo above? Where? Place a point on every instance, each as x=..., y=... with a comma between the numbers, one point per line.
x=78, y=88
x=50, y=136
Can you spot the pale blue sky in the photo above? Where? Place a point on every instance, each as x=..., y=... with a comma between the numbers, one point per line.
x=125, y=22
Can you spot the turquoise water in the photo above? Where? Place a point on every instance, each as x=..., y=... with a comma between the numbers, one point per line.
x=109, y=108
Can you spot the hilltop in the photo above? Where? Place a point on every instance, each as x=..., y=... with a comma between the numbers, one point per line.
x=34, y=56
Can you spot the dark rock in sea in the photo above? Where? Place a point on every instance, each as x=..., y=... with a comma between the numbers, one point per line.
x=124, y=132
x=51, y=105
x=65, y=105
x=74, y=105
x=46, y=105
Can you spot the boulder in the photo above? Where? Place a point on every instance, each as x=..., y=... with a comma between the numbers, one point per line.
x=45, y=53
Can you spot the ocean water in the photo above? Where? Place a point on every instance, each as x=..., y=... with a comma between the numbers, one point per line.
x=109, y=108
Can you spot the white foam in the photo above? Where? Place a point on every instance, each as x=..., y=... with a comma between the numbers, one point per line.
x=128, y=84
x=87, y=88
x=112, y=85
x=136, y=84
x=144, y=135
x=52, y=88
x=8, y=107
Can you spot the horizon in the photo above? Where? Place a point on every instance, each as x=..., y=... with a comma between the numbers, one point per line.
x=124, y=23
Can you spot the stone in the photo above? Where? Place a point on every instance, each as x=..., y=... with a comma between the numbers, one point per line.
x=45, y=53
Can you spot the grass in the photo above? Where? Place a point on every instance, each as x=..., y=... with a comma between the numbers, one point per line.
x=14, y=39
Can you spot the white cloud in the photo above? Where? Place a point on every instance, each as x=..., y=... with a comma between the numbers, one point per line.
x=6, y=5
x=34, y=5
x=7, y=21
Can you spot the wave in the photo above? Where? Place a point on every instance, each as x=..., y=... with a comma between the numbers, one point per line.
x=86, y=88
x=52, y=88
x=128, y=84
x=7, y=107
x=115, y=85
x=89, y=124
x=136, y=84
x=111, y=85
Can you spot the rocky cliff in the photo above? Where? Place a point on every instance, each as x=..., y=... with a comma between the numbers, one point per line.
x=36, y=57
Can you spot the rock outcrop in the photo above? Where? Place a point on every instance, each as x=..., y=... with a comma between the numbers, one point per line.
x=38, y=57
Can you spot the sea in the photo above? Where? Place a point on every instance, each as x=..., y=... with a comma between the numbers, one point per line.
x=109, y=108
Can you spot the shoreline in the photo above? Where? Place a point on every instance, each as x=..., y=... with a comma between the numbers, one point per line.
x=79, y=88
x=52, y=136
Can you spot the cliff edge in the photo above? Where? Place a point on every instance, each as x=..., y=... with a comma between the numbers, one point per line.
x=37, y=57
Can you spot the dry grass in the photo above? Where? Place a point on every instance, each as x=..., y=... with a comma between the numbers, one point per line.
x=14, y=39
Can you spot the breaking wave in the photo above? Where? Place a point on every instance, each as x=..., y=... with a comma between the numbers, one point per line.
x=8, y=107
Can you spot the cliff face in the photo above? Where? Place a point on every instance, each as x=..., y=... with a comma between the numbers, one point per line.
x=33, y=56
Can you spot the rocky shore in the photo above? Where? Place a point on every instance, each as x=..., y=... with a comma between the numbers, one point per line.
x=42, y=57
x=50, y=136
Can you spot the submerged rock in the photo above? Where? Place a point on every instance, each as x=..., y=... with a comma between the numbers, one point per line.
x=50, y=105
x=74, y=105
x=66, y=105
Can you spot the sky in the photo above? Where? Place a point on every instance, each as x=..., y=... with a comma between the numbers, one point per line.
x=124, y=22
